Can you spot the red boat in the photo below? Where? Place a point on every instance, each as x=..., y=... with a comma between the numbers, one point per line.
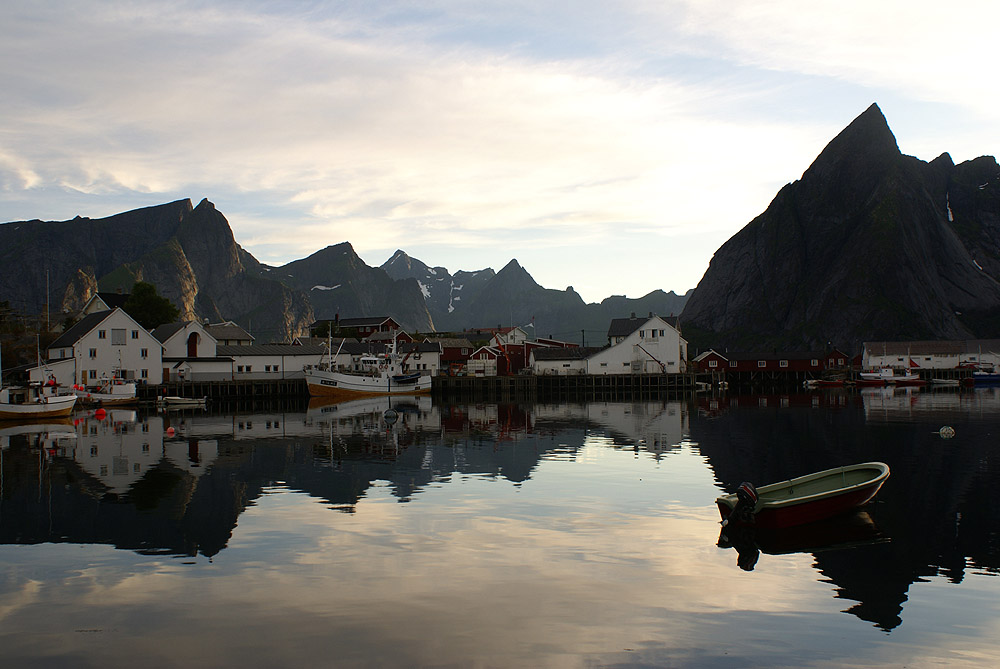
x=804, y=499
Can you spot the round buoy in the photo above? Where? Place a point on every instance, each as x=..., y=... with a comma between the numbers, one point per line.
x=100, y=414
x=946, y=432
x=170, y=431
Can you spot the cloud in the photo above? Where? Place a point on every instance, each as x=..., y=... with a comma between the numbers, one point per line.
x=452, y=126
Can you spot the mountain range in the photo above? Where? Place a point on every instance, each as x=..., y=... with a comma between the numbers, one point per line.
x=869, y=244
x=190, y=254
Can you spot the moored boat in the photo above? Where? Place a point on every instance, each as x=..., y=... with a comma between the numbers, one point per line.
x=806, y=498
x=175, y=402
x=35, y=401
x=888, y=376
x=381, y=374
x=110, y=393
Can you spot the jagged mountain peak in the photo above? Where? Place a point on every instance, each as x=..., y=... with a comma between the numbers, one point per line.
x=869, y=244
x=862, y=150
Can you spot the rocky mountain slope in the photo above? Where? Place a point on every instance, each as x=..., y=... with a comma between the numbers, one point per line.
x=188, y=252
x=869, y=244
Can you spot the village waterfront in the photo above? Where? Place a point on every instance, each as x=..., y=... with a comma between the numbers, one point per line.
x=417, y=532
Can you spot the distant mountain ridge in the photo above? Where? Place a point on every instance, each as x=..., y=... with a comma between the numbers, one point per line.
x=190, y=254
x=869, y=244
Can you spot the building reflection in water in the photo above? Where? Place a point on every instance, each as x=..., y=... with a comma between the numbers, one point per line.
x=177, y=484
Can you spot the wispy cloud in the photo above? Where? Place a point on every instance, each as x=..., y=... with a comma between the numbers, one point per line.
x=445, y=126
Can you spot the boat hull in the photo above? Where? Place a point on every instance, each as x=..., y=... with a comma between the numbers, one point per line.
x=812, y=497
x=60, y=405
x=347, y=386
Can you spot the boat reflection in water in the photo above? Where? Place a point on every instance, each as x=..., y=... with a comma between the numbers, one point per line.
x=842, y=532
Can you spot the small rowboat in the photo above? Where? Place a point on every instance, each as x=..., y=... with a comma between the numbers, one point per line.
x=804, y=499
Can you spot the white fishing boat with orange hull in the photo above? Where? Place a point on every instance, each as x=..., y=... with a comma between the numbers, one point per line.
x=34, y=401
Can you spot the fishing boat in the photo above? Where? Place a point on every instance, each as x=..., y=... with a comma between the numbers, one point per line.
x=175, y=402
x=888, y=376
x=804, y=499
x=110, y=392
x=378, y=374
x=36, y=400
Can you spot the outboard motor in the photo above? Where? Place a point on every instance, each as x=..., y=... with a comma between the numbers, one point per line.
x=746, y=502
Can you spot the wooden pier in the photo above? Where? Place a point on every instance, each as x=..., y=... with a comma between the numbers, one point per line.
x=470, y=388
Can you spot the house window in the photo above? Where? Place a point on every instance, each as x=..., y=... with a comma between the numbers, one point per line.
x=117, y=336
x=840, y=361
x=102, y=334
x=604, y=364
x=239, y=369
x=713, y=363
x=565, y=364
x=145, y=448
x=144, y=352
x=135, y=334
x=93, y=373
x=625, y=364
x=762, y=363
x=642, y=334
x=93, y=353
x=815, y=362
x=783, y=363
x=661, y=333
x=465, y=351
x=733, y=363
x=144, y=374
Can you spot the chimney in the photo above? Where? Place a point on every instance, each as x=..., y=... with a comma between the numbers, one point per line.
x=633, y=315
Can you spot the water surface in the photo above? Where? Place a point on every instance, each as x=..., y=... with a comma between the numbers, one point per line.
x=499, y=535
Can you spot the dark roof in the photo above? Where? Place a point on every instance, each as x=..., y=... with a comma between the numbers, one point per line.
x=450, y=342
x=557, y=353
x=86, y=324
x=623, y=327
x=113, y=300
x=168, y=330
x=270, y=349
x=227, y=330
x=774, y=355
x=385, y=335
x=354, y=322
x=958, y=347
x=419, y=347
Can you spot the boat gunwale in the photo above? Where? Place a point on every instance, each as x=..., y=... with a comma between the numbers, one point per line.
x=881, y=467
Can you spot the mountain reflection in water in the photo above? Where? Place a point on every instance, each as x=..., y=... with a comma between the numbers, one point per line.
x=182, y=484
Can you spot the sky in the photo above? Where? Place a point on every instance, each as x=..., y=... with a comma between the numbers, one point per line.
x=612, y=147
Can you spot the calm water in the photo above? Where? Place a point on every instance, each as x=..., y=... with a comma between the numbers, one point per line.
x=500, y=535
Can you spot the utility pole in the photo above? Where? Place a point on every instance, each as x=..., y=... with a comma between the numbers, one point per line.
x=583, y=338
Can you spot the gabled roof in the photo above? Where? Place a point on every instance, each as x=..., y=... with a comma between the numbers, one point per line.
x=227, y=330
x=905, y=348
x=385, y=335
x=86, y=324
x=114, y=300
x=774, y=355
x=419, y=347
x=269, y=349
x=450, y=342
x=701, y=356
x=168, y=330
x=374, y=321
x=623, y=327
x=576, y=353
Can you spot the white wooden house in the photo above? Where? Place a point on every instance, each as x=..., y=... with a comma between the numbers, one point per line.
x=190, y=353
x=483, y=362
x=264, y=362
x=559, y=361
x=104, y=344
x=654, y=346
